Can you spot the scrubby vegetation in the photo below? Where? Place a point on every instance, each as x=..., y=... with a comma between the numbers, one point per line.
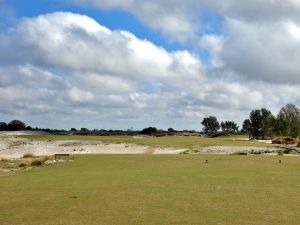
x=28, y=155
x=8, y=166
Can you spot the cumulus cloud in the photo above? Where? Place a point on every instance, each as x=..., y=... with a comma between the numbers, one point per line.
x=181, y=20
x=75, y=64
x=265, y=53
x=62, y=69
x=258, y=42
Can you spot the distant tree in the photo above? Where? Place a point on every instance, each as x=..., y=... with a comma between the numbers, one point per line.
x=3, y=126
x=256, y=123
x=260, y=124
x=210, y=125
x=16, y=125
x=73, y=129
x=267, y=123
x=84, y=129
x=149, y=131
x=28, y=128
x=229, y=127
x=171, y=130
x=288, y=121
x=247, y=127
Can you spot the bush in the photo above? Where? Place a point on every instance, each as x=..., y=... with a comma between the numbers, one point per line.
x=287, y=151
x=28, y=155
x=23, y=164
x=48, y=157
x=280, y=153
x=149, y=131
x=240, y=153
x=36, y=162
x=284, y=140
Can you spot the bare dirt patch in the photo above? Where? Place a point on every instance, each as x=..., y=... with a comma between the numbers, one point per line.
x=150, y=150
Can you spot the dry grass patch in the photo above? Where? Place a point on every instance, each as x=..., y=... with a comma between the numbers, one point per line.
x=27, y=162
x=284, y=140
x=28, y=155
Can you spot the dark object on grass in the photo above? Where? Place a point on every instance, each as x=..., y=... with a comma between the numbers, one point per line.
x=206, y=161
x=279, y=161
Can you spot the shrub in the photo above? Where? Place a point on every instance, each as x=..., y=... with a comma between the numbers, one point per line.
x=47, y=157
x=28, y=155
x=257, y=152
x=280, y=153
x=23, y=164
x=287, y=151
x=284, y=140
x=240, y=153
x=36, y=162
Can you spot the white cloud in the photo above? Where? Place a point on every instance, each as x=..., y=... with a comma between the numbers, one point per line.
x=181, y=20
x=265, y=52
x=61, y=67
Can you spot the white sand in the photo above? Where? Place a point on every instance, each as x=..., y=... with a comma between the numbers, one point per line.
x=235, y=149
x=12, y=147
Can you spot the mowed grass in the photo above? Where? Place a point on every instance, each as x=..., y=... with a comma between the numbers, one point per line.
x=180, y=142
x=155, y=189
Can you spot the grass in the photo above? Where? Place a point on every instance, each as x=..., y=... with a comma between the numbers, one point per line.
x=155, y=189
x=9, y=166
x=180, y=142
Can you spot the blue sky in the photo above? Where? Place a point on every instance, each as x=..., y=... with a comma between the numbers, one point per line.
x=177, y=61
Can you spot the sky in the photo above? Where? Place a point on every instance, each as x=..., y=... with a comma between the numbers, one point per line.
x=120, y=64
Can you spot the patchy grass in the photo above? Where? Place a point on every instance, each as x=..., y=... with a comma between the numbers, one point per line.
x=10, y=166
x=155, y=189
x=180, y=142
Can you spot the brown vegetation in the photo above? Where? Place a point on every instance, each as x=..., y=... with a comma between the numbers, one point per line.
x=285, y=140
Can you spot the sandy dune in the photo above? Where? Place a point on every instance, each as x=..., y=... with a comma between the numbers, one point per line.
x=12, y=147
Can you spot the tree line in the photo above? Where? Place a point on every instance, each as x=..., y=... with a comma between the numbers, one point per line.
x=260, y=124
x=13, y=125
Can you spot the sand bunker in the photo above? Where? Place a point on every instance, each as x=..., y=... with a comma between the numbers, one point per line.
x=13, y=147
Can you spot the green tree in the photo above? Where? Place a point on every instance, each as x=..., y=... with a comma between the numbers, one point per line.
x=256, y=123
x=288, y=121
x=3, y=126
x=16, y=125
x=149, y=131
x=210, y=125
x=247, y=127
x=229, y=127
x=267, y=122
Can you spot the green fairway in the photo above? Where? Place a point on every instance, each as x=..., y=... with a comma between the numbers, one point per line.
x=185, y=142
x=155, y=189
